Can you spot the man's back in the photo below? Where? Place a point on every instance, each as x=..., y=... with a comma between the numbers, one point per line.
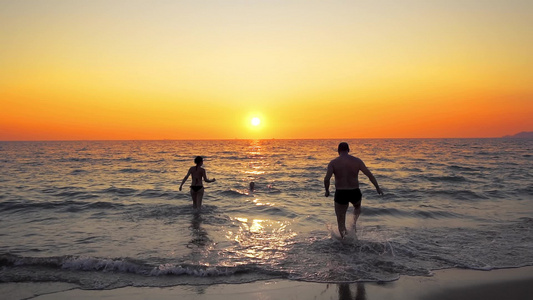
x=346, y=170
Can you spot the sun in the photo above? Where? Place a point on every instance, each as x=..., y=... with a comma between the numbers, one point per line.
x=256, y=121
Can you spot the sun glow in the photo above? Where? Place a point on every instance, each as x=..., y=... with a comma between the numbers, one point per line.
x=256, y=125
x=256, y=121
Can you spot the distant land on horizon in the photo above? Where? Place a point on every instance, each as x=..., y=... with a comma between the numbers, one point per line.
x=521, y=135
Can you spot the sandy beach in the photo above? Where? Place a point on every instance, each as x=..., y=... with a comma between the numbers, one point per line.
x=516, y=283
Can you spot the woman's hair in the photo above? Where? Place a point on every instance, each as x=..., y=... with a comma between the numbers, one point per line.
x=198, y=160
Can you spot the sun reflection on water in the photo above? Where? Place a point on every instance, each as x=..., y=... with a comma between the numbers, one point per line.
x=258, y=202
x=254, y=172
x=256, y=160
x=258, y=241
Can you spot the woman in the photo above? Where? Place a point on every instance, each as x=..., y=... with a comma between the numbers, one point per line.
x=197, y=187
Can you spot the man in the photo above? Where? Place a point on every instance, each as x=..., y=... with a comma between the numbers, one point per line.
x=346, y=170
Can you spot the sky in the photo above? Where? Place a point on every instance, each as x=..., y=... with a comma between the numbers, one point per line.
x=201, y=69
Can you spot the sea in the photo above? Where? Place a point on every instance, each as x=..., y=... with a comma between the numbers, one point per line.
x=109, y=214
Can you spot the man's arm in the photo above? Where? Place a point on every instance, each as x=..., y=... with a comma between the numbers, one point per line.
x=370, y=176
x=327, y=179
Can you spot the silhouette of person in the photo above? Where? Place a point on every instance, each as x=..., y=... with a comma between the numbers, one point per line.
x=346, y=170
x=252, y=186
x=346, y=294
x=197, y=188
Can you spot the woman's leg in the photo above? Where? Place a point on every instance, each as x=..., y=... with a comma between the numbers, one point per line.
x=199, y=198
x=194, y=196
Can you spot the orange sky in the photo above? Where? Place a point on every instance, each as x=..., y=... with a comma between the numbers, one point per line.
x=84, y=70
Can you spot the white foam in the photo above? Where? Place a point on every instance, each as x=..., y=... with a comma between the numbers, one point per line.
x=90, y=264
x=170, y=269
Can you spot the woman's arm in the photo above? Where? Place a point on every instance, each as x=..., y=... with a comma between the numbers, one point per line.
x=207, y=180
x=185, y=178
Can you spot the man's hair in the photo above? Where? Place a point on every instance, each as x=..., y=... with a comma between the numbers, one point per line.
x=198, y=160
x=343, y=147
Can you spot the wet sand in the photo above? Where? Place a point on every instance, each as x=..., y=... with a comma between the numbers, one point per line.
x=454, y=284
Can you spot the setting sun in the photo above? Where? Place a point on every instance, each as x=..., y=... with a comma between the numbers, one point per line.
x=256, y=121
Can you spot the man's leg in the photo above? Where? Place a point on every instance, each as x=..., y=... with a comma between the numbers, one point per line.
x=340, y=211
x=356, y=213
x=357, y=207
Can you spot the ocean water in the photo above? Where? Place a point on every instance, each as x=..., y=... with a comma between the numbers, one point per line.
x=109, y=214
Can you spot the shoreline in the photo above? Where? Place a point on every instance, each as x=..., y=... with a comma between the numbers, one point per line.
x=511, y=283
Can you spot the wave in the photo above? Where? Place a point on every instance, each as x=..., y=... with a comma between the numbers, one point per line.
x=384, y=159
x=419, y=214
x=81, y=194
x=103, y=205
x=71, y=205
x=452, y=178
x=236, y=157
x=75, y=159
x=457, y=194
x=468, y=169
x=68, y=192
x=78, y=172
x=151, y=193
x=76, y=193
x=119, y=265
x=414, y=195
x=321, y=169
x=130, y=170
x=135, y=170
x=197, y=271
x=101, y=273
x=148, y=193
x=233, y=193
x=120, y=191
x=528, y=190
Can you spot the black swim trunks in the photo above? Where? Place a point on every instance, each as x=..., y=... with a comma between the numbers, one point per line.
x=196, y=188
x=346, y=196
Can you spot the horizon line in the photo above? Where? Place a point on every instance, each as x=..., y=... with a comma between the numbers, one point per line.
x=247, y=139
